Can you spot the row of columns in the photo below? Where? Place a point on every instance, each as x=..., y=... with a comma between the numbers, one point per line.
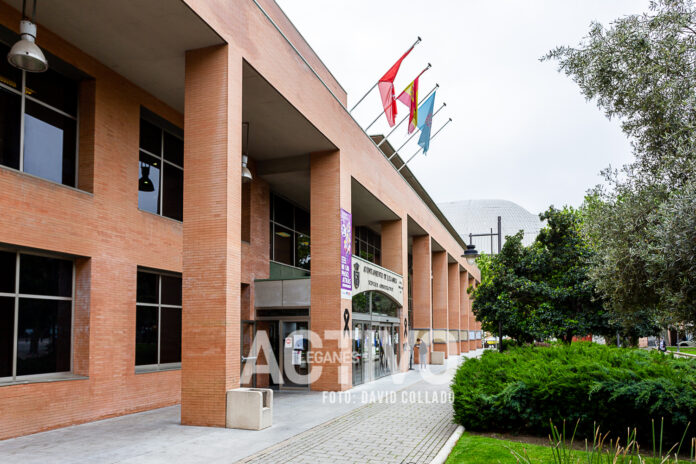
x=211, y=354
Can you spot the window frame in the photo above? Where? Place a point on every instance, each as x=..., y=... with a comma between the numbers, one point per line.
x=372, y=241
x=16, y=296
x=294, y=233
x=23, y=96
x=157, y=367
x=164, y=126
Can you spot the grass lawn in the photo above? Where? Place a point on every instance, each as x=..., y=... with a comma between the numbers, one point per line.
x=475, y=449
x=683, y=349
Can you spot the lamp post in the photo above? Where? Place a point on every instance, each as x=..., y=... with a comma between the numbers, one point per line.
x=492, y=234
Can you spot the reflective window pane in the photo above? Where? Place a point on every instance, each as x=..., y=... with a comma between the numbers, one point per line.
x=10, y=119
x=149, y=175
x=171, y=290
x=302, y=221
x=54, y=89
x=150, y=137
x=173, y=149
x=8, y=264
x=283, y=246
x=39, y=275
x=6, y=335
x=49, y=144
x=148, y=287
x=170, y=336
x=173, y=192
x=43, y=336
x=145, y=335
x=9, y=75
x=283, y=212
x=302, y=247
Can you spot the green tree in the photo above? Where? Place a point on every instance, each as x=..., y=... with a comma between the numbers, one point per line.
x=640, y=223
x=543, y=290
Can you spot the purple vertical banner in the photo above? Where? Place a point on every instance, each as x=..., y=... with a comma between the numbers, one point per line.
x=346, y=254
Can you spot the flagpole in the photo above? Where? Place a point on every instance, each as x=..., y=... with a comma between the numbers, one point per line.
x=431, y=138
x=376, y=83
x=384, y=110
x=414, y=133
x=406, y=117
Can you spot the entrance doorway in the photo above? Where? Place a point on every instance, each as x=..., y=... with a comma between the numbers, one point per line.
x=375, y=350
x=289, y=343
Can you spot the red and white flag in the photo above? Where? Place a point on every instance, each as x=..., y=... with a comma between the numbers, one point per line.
x=386, y=90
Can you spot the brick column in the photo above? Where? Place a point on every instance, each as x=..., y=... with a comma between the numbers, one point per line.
x=453, y=306
x=464, y=310
x=422, y=290
x=471, y=318
x=440, y=300
x=212, y=234
x=395, y=258
x=330, y=191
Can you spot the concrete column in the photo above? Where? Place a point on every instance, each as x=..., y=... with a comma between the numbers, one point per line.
x=464, y=310
x=395, y=258
x=422, y=289
x=440, y=300
x=212, y=234
x=330, y=191
x=453, y=306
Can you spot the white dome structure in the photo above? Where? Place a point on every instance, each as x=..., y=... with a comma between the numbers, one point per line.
x=480, y=216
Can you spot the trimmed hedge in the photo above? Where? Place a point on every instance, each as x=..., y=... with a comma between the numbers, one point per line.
x=520, y=390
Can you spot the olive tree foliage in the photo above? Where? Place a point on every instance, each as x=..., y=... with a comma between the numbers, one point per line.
x=640, y=222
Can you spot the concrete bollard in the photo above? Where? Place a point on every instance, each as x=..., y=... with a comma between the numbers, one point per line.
x=249, y=408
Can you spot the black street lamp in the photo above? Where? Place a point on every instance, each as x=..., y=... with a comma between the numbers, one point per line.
x=499, y=234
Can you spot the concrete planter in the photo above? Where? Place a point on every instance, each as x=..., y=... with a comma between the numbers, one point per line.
x=249, y=408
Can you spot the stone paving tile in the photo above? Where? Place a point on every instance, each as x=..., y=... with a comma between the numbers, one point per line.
x=400, y=432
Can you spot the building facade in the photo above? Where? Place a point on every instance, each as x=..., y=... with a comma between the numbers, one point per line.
x=138, y=269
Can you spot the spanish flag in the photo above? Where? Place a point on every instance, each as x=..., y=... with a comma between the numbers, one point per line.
x=409, y=97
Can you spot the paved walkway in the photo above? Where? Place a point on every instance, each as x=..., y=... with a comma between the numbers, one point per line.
x=408, y=427
x=307, y=427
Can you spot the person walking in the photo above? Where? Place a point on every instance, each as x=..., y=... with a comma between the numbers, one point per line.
x=662, y=346
x=422, y=353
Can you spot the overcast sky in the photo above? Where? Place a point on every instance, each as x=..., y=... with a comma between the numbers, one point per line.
x=521, y=131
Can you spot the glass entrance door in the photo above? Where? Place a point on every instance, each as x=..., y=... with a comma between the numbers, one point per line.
x=249, y=358
x=295, y=354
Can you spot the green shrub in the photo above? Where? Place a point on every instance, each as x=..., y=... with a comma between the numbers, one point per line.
x=522, y=389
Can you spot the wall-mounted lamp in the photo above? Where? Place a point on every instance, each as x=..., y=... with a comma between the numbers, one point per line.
x=246, y=173
x=25, y=54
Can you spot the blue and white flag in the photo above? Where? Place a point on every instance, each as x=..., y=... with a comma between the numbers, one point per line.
x=425, y=122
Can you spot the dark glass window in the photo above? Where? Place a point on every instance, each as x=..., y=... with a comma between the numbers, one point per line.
x=368, y=245
x=43, y=336
x=49, y=146
x=44, y=325
x=10, y=124
x=146, y=335
x=282, y=245
x=8, y=269
x=39, y=275
x=161, y=169
x=6, y=335
x=290, y=241
x=158, y=319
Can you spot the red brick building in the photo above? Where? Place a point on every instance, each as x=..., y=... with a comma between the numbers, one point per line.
x=136, y=266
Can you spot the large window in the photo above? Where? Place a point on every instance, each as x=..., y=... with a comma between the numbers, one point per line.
x=38, y=122
x=289, y=233
x=161, y=174
x=158, y=320
x=36, y=305
x=368, y=245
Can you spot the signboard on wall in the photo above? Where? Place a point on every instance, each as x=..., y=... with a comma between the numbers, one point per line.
x=370, y=277
x=346, y=254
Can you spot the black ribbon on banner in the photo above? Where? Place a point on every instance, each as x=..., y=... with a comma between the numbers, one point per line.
x=405, y=327
x=346, y=319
